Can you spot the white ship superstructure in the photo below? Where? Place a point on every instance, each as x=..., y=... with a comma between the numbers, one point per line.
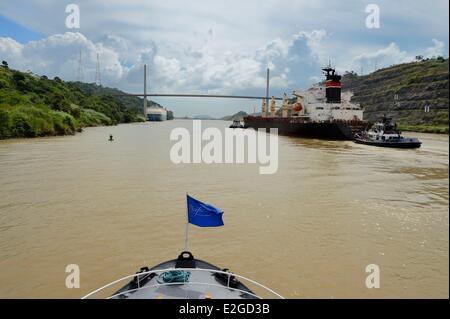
x=156, y=114
x=325, y=103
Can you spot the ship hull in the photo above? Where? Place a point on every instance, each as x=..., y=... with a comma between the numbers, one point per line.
x=389, y=144
x=293, y=127
x=156, y=118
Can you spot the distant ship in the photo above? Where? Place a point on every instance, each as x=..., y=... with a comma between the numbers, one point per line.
x=321, y=112
x=156, y=114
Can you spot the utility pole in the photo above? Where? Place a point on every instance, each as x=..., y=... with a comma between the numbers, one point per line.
x=80, y=76
x=98, y=77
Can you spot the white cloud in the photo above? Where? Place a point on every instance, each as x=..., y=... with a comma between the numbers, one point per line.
x=58, y=55
x=386, y=56
x=438, y=49
x=221, y=47
x=316, y=41
x=10, y=49
x=392, y=54
x=179, y=70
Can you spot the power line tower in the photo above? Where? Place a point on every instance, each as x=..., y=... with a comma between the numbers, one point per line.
x=80, y=76
x=98, y=75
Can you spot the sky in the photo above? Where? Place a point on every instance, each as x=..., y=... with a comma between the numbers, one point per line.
x=217, y=47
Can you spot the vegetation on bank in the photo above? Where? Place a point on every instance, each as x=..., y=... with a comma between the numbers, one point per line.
x=402, y=92
x=434, y=122
x=33, y=106
x=424, y=128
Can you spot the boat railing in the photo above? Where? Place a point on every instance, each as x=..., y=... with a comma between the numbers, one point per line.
x=140, y=286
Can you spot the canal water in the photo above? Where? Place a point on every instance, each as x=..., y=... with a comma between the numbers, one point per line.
x=308, y=231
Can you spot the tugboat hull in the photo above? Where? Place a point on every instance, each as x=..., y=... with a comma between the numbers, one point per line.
x=236, y=124
x=406, y=144
x=323, y=130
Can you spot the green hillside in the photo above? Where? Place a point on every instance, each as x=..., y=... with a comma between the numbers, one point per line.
x=32, y=106
x=415, y=85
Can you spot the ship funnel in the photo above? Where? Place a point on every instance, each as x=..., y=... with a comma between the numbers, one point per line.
x=333, y=85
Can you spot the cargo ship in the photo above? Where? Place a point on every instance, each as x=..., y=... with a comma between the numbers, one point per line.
x=156, y=114
x=322, y=112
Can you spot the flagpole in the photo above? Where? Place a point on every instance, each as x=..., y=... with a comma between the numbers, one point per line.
x=187, y=226
x=186, y=238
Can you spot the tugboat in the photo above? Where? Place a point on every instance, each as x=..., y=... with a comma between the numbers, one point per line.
x=321, y=112
x=184, y=278
x=236, y=124
x=385, y=134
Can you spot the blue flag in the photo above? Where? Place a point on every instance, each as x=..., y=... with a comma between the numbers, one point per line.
x=203, y=215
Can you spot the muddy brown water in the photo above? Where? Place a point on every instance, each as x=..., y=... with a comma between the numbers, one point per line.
x=307, y=231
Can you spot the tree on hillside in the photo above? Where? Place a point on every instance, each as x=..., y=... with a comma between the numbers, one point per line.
x=5, y=65
x=5, y=123
x=350, y=74
x=20, y=81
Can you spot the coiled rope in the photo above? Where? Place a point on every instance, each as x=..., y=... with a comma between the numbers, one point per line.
x=174, y=276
